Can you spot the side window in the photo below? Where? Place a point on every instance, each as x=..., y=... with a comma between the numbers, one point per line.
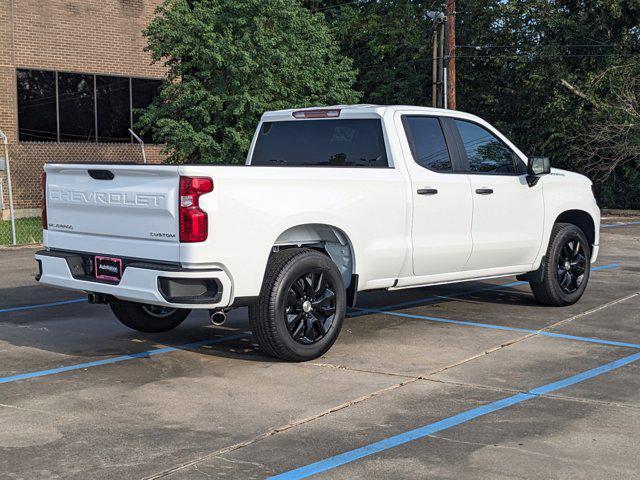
x=427, y=143
x=486, y=153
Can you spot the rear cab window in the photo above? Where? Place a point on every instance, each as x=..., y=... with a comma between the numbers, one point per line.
x=321, y=143
x=427, y=142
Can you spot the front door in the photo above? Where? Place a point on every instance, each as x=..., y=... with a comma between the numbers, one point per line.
x=508, y=214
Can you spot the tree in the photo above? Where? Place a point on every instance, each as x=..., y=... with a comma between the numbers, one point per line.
x=390, y=42
x=610, y=140
x=230, y=60
x=511, y=56
x=607, y=145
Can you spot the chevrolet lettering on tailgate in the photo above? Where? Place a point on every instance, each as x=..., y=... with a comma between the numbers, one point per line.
x=150, y=200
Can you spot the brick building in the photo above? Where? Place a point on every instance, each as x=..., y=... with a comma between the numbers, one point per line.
x=72, y=75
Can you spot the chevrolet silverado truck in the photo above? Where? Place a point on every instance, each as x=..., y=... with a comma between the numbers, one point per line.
x=332, y=201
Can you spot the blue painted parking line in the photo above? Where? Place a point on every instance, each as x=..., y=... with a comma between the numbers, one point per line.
x=108, y=361
x=42, y=305
x=605, y=267
x=622, y=224
x=504, y=328
x=470, y=292
x=447, y=423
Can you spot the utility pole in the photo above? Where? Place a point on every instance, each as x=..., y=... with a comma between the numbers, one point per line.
x=437, y=60
x=441, y=41
x=451, y=54
x=434, y=70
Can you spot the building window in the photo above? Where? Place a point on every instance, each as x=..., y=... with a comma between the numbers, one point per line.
x=37, y=106
x=76, y=107
x=114, y=109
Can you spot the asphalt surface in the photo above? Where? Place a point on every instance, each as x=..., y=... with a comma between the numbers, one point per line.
x=465, y=381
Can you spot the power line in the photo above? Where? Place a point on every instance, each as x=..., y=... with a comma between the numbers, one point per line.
x=594, y=45
x=535, y=55
x=329, y=7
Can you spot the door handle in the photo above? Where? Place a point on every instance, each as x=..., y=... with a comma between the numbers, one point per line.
x=427, y=191
x=484, y=191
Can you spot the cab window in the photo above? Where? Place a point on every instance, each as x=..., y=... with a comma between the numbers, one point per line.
x=485, y=152
x=427, y=142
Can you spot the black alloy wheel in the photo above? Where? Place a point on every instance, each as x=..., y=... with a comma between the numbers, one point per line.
x=158, y=311
x=148, y=318
x=301, y=307
x=571, y=265
x=311, y=307
x=565, y=267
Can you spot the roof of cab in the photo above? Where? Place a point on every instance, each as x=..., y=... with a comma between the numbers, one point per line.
x=355, y=111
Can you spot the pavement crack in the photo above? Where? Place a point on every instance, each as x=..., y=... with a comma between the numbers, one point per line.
x=200, y=471
x=514, y=391
x=589, y=312
x=24, y=409
x=360, y=370
x=280, y=429
x=590, y=401
x=244, y=462
x=532, y=334
x=408, y=380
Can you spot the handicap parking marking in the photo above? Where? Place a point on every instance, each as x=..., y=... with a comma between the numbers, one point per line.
x=447, y=423
x=122, y=358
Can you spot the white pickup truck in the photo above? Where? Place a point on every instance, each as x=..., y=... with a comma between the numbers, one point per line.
x=331, y=201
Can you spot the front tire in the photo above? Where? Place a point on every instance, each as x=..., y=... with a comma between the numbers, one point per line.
x=567, y=267
x=301, y=306
x=148, y=318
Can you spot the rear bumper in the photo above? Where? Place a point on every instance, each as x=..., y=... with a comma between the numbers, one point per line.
x=153, y=284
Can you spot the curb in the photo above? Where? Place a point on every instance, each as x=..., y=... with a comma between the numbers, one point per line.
x=614, y=212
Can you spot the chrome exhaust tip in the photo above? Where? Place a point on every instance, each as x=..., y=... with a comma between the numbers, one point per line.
x=218, y=317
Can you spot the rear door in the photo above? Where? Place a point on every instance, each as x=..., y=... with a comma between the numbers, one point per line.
x=442, y=204
x=113, y=209
x=508, y=214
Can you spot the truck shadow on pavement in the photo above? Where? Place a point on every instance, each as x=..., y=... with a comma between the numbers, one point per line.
x=91, y=331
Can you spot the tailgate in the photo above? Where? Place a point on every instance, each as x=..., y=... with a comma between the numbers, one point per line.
x=112, y=208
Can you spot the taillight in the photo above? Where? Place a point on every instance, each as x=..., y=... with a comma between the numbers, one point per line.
x=194, y=224
x=44, y=200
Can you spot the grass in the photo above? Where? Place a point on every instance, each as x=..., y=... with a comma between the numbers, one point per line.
x=28, y=231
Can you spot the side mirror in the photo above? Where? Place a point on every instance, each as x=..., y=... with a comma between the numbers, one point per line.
x=536, y=167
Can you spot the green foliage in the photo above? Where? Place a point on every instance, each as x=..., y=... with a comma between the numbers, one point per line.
x=230, y=60
x=390, y=42
x=511, y=58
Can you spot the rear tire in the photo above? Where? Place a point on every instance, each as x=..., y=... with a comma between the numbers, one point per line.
x=567, y=267
x=148, y=318
x=301, y=306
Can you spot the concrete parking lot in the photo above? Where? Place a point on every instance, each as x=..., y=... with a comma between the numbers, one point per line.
x=471, y=380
